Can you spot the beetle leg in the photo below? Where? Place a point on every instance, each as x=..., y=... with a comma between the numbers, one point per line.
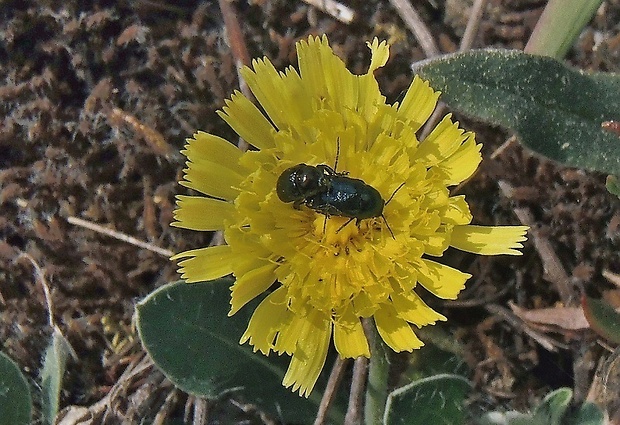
x=388, y=226
x=345, y=224
x=324, y=225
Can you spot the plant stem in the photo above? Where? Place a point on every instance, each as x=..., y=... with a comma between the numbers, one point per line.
x=376, y=391
x=354, y=410
x=330, y=391
x=559, y=26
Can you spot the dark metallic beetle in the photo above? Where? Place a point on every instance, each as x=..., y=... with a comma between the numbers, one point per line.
x=298, y=183
x=328, y=192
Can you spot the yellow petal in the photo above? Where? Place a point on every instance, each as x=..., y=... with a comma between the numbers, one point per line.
x=325, y=75
x=418, y=104
x=279, y=94
x=349, y=338
x=199, y=213
x=463, y=163
x=457, y=211
x=252, y=254
x=363, y=305
x=436, y=198
x=206, y=263
x=269, y=317
x=310, y=354
x=205, y=146
x=442, y=142
x=441, y=280
x=369, y=97
x=250, y=285
x=411, y=308
x=212, y=179
x=248, y=121
x=489, y=240
x=290, y=334
x=380, y=52
x=395, y=331
x=436, y=243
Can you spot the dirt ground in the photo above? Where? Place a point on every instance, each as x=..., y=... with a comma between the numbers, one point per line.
x=96, y=99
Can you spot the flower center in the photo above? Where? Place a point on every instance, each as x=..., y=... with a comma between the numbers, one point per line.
x=340, y=232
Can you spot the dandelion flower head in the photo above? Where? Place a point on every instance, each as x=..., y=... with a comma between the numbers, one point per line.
x=322, y=279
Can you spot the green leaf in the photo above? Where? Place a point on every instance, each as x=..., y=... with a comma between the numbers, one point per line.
x=553, y=410
x=612, y=185
x=588, y=414
x=186, y=330
x=441, y=353
x=555, y=110
x=435, y=400
x=15, y=399
x=377, y=385
x=602, y=317
x=508, y=418
x=54, y=366
x=559, y=26
x=554, y=405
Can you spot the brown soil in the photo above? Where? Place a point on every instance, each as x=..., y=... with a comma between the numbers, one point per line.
x=96, y=100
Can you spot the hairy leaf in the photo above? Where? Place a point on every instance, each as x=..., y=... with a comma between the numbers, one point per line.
x=186, y=330
x=15, y=399
x=555, y=110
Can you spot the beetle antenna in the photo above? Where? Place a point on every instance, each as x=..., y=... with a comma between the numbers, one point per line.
x=392, y=196
x=337, y=154
x=386, y=223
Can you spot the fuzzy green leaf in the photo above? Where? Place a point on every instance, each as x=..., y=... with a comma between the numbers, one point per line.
x=54, y=365
x=602, y=317
x=186, y=330
x=434, y=400
x=553, y=410
x=613, y=186
x=15, y=399
x=555, y=110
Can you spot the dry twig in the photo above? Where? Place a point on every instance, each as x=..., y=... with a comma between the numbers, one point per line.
x=234, y=33
x=612, y=277
x=239, y=51
x=120, y=236
x=154, y=139
x=497, y=152
x=166, y=408
x=554, y=271
x=201, y=411
x=471, y=30
x=40, y=277
x=336, y=9
x=417, y=26
x=508, y=316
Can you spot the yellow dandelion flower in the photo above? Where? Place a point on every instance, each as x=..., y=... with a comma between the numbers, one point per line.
x=330, y=272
